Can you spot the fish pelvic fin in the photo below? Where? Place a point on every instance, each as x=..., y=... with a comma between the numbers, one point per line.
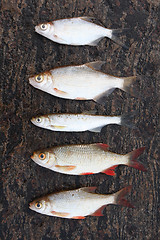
x=120, y=197
x=116, y=35
x=78, y=217
x=133, y=159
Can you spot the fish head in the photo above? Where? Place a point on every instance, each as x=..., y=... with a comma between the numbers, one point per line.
x=45, y=29
x=44, y=158
x=41, y=121
x=42, y=81
x=41, y=205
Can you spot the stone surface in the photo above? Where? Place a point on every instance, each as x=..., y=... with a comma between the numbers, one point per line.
x=25, y=53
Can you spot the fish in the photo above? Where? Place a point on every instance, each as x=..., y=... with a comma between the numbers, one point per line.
x=78, y=31
x=86, y=159
x=82, y=82
x=79, y=203
x=70, y=122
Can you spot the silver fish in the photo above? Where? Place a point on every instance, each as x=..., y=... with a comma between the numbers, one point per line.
x=79, y=122
x=79, y=203
x=77, y=31
x=86, y=159
x=82, y=82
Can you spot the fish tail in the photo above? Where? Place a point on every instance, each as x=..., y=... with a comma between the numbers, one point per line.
x=120, y=197
x=127, y=120
x=133, y=159
x=131, y=86
x=116, y=34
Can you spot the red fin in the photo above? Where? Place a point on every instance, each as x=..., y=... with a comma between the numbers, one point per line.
x=133, y=159
x=103, y=146
x=120, y=200
x=110, y=171
x=59, y=214
x=87, y=173
x=89, y=189
x=59, y=91
x=65, y=168
x=78, y=217
x=99, y=212
x=80, y=98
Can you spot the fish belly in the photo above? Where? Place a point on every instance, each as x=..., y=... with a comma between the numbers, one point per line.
x=77, y=31
x=79, y=203
x=87, y=159
x=82, y=82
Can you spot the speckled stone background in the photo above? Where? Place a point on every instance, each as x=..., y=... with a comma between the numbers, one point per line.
x=23, y=53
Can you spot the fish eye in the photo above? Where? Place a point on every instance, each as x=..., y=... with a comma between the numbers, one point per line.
x=43, y=27
x=39, y=78
x=42, y=156
x=38, y=205
x=38, y=120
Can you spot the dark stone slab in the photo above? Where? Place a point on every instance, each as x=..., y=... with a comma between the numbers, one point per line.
x=24, y=53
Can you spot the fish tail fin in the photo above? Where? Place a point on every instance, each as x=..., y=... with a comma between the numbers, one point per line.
x=127, y=120
x=120, y=197
x=116, y=35
x=130, y=86
x=133, y=159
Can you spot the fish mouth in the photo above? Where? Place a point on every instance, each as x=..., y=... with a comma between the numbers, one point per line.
x=30, y=80
x=32, y=120
x=36, y=28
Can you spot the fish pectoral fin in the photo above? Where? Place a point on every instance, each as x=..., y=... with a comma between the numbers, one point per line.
x=95, y=42
x=100, y=98
x=95, y=65
x=96, y=130
x=78, y=217
x=99, y=211
x=110, y=171
x=89, y=189
x=58, y=38
x=65, y=168
x=58, y=127
x=59, y=214
x=59, y=91
x=102, y=146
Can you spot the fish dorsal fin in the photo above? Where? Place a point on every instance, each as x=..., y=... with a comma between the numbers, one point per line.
x=102, y=146
x=88, y=19
x=89, y=189
x=89, y=112
x=95, y=65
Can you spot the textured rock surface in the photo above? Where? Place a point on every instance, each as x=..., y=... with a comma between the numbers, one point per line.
x=25, y=53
